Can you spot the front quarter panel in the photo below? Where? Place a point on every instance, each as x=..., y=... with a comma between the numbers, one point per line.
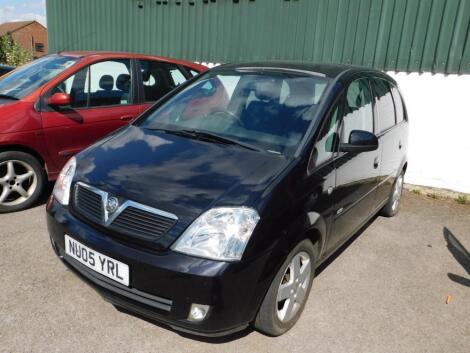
x=19, y=116
x=298, y=207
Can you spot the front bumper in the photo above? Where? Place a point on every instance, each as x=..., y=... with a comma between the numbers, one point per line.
x=163, y=286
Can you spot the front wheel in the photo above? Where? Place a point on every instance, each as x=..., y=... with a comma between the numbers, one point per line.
x=288, y=293
x=393, y=203
x=22, y=181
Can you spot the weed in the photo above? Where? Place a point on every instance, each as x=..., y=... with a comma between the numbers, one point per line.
x=462, y=199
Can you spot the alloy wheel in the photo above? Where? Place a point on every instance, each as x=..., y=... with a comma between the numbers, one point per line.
x=293, y=288
x=18, y=182
x=397, y=192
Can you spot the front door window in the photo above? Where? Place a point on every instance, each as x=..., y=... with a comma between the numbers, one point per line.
x=107, y=83
x=358, y=109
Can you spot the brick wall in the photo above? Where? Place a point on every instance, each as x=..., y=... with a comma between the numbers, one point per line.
x=31, y=37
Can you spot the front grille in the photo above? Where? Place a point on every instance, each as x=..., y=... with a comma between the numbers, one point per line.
x=88, y=203
x=130, y=219
x=142, y=223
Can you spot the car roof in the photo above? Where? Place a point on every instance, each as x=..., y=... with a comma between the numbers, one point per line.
x=332, y=71
x=114, y=54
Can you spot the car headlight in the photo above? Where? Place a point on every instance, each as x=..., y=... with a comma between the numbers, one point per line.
x=64, y=181
x=219, y=234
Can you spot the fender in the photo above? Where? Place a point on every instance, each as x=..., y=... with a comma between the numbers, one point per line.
x=31, y=143
x=403, y=166
x=313, y=228
x=316, y=232
x=310, y=226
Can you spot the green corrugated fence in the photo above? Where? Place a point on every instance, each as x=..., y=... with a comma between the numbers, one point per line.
x=395, y=35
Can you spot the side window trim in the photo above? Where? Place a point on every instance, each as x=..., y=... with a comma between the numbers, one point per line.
x=375, y=123
x=139, y=82
x=88, y=74
x=137, y=90
x=184, y=70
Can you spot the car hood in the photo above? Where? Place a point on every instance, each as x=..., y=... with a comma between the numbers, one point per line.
x=176, y=174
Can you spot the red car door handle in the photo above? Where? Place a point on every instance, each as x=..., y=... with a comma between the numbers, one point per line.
x=126, y=117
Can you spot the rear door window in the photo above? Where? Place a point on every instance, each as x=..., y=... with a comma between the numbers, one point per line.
x=159, y=78
x=384, y=104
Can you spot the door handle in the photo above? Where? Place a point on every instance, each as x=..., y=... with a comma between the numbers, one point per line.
x=376, y=162
x=399, y=145
x=126, y=117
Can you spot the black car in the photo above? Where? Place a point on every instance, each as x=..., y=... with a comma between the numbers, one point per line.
x=4, y=69
x=212, y=210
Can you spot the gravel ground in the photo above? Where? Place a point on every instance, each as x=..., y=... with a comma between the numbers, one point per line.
x=385, y=291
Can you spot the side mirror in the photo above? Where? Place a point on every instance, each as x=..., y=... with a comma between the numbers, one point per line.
x=360, y=141
x=59, y=100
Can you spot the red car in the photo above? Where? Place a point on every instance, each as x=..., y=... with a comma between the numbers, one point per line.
x=55, y=106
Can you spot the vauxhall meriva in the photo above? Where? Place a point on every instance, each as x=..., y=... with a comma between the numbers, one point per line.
x=212, y=210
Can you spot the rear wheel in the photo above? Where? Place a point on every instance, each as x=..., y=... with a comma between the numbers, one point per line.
x=393, y=204
x=288, y=293
x=22, y=181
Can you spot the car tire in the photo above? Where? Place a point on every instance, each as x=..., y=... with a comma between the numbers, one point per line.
x=22, y=181
x=392, y=206
x=274, y=317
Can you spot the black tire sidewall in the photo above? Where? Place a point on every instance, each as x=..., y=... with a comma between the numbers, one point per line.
x=40, y=174
x=267, y=321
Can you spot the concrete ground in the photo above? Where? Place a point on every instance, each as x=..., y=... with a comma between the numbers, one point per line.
x=385, y=292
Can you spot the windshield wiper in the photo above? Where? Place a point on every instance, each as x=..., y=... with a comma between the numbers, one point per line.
x=172, y=131
x=6, y=96
x=207, y=136
x=211, y=137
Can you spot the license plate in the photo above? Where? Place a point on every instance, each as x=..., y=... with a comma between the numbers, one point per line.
x=98, y=262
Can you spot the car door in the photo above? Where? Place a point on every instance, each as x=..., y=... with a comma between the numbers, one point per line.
x=102, y=99
x=356, y=173
x=156, y=79
x=389, y=136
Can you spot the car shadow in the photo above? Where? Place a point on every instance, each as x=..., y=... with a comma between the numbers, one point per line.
x=212, y=340
x=460, y=254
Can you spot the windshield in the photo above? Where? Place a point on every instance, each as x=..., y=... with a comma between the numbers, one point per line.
x=269, y=110
x=27, y=78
